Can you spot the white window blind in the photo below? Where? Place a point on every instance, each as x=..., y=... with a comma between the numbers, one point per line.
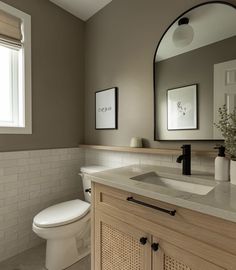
x=10, y=29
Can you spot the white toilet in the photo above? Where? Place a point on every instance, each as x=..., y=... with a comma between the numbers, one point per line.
x=66, y=227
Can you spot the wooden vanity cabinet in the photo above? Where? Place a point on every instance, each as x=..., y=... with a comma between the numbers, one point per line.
x=127, y=235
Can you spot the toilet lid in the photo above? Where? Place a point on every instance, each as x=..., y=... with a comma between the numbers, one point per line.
x=61, y=214
x=93, y=169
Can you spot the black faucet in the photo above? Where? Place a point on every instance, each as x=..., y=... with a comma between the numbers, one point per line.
x=186, y=158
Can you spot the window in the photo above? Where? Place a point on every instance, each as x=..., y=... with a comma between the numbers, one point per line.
x=15, y=71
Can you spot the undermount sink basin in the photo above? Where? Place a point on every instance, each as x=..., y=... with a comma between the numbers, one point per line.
x=180, y=185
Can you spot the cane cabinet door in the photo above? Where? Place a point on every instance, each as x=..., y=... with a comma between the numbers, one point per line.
x=167, y=256
x=119, y=246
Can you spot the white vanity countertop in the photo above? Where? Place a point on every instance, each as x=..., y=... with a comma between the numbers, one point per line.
x=219, y=202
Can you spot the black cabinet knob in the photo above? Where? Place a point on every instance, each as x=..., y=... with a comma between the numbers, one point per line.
x=143, y=240
x=155, y=246
x=88, y=190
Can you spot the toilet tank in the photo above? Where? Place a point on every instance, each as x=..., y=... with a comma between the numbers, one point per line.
x=85, y=171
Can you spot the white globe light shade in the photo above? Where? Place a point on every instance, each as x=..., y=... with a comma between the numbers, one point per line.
x=183, y=35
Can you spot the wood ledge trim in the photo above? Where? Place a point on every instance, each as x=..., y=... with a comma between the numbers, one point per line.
x=154, y=151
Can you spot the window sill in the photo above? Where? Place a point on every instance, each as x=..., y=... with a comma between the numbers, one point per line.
x=15, y=130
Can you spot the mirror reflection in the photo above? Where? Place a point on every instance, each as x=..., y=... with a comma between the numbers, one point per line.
x=195, y=73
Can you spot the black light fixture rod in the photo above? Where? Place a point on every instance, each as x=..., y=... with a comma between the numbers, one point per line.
x=183, y=20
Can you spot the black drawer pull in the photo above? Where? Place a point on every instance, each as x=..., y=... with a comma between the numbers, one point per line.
x=170, y=212
x=155, y=246
x=143, y=240
x=88, y=190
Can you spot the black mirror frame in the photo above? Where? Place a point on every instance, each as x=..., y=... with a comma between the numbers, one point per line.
x=154, y=68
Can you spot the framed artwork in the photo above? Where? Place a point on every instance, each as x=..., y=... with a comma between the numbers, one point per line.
x=106, y=108
x=182, y=111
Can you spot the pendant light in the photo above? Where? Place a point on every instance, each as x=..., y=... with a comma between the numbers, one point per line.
x=183, y=34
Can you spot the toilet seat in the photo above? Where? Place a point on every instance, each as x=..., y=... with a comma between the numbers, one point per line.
x=61, y=214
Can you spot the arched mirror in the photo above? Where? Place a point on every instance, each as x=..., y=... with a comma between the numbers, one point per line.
x=195, y=73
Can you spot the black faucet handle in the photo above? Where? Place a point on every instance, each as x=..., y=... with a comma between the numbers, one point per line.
x=185, y=146
x=186, y=149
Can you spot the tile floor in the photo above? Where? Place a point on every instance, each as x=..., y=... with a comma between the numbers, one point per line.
x=33, y=259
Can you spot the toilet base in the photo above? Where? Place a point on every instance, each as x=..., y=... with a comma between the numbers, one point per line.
x=61, y=253
x=66, y=244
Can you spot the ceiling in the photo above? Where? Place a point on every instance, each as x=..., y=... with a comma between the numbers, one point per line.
x=83, y=9
x=211, y=23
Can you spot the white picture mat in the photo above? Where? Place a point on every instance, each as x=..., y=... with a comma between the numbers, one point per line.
x=182, y=108
x=106, y=109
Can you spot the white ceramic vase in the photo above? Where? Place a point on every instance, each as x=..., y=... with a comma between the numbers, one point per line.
x=136, y=142
x=233, y=171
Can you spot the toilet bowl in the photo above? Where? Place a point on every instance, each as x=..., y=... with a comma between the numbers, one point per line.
x=65, y=226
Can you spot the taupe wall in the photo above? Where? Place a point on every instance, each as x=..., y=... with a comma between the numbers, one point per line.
x=194, y=67
x=121, y=41
x=58, y=78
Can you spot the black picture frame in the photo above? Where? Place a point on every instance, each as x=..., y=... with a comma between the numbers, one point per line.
x=195, y=101
x=106, y=102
